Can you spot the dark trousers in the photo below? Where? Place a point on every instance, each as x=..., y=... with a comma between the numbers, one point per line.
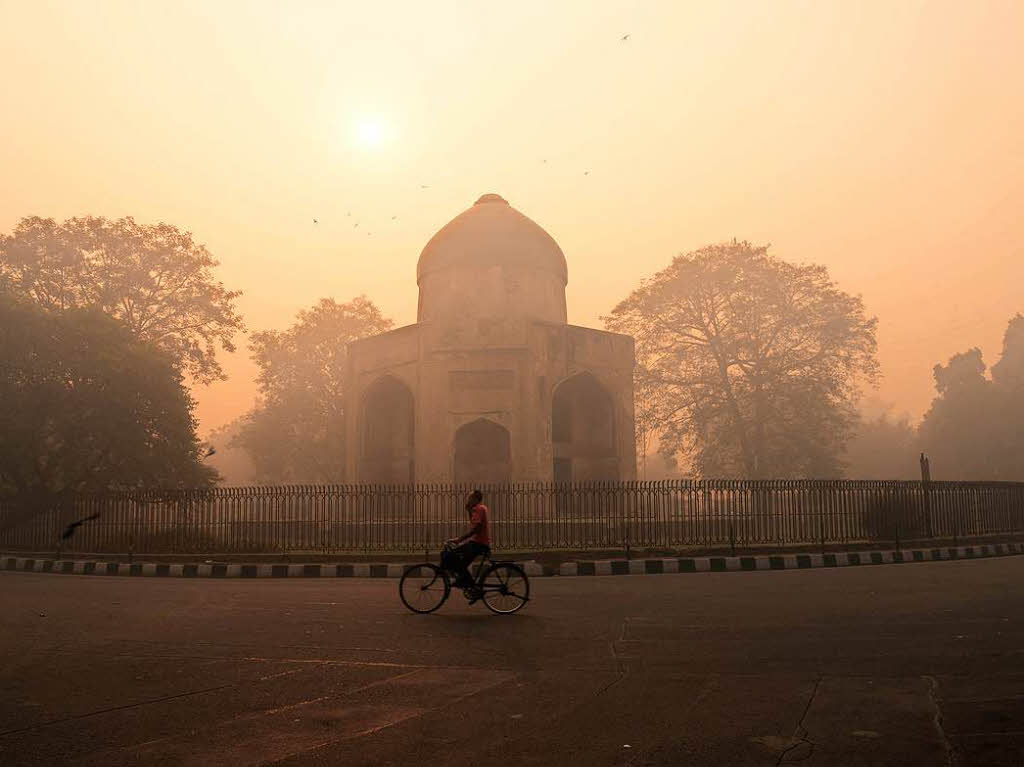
x=459, y=559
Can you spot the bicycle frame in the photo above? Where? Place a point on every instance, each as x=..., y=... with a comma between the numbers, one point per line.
x=483, y=564
x=506, y=574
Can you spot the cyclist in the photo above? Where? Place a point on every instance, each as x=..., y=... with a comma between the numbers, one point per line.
x=472, y=544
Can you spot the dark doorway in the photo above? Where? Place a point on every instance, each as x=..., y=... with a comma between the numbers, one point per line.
x=483, y=453
x=583, y=431
x=386, y=454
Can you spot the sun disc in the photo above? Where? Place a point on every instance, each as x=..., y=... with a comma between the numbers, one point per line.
x=371, y=133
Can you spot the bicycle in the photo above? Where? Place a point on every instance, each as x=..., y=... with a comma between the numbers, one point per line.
x=503, y=586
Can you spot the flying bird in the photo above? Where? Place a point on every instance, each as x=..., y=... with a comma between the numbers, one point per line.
x=586, y=173
x=394, y=217
x=70, y=529
x=355, y=225
x=212, y=450
x=315, y=221
x=624, y=38
x=424, y=186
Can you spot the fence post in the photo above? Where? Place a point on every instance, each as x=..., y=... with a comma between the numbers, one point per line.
x=821, y=518
x=956, y=504
x=896, y=524
x=926, y=480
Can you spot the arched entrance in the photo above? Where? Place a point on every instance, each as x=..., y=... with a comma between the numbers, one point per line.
x=583, y=431
x=483, y=453
x=386, y=443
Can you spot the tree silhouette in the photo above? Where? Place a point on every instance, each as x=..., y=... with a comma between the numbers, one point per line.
x=883, y=446
x=974, y=428
x=749, y=364
x=156, y=280
x=87, y=407
x=297, y=431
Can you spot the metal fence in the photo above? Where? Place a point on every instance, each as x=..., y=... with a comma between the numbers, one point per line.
x=669, y=514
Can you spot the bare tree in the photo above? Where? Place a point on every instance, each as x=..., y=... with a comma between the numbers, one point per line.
x=748, y=364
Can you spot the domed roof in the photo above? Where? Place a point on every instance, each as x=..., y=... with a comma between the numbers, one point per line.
x=492, y=232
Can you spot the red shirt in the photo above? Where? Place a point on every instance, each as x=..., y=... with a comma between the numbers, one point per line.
x=479, y=517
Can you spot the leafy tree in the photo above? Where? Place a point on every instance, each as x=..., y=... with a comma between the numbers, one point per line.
x=1008, y=380
x=974, y=428
x=751, y=364
x=297, y=431
x=155, y=279
x=957, y=431
x=230, y=460
x=884, y=446
x=87, y=406
x=646, y=421
x=1008, y=372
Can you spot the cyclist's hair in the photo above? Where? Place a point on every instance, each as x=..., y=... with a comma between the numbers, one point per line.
x=474, y=498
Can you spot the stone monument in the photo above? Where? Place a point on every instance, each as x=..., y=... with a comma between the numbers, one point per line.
x=491, y=384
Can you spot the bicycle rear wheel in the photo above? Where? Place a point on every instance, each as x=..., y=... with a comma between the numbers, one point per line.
x=506, y=588
x=424, y=588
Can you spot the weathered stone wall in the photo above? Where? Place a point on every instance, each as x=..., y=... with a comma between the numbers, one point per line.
x=507, y=373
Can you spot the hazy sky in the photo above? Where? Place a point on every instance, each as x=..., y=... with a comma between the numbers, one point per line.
x=882, y=139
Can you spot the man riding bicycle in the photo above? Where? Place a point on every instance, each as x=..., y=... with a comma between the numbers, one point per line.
x=470, y=545
x=502, y=586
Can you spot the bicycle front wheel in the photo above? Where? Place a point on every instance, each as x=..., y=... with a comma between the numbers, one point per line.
x=506, y=588
x=423, y=588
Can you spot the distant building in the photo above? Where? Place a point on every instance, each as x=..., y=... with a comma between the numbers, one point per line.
x=491, y=384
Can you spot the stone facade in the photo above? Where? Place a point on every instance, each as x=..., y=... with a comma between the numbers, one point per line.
x=491, y=384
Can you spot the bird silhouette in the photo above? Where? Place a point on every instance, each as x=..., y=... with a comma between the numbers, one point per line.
x=394, y=217
x=349, y=213
x=586, y=173
x=315, y=221
x=424, y=186
x=70, y=529
x=624, y=38
x=210, y=451
x=355, y=225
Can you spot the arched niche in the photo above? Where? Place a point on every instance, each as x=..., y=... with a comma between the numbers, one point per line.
x=483, y=453
x=583, y=431
x=386, y=442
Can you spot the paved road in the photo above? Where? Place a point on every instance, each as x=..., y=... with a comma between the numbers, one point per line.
x=901, y=664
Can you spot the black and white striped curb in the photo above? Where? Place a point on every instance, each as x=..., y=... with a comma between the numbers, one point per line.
x=784, y=561
x=215, y=570
x=598, y=567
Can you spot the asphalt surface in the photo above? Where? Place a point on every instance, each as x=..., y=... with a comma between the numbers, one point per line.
x=901, y=664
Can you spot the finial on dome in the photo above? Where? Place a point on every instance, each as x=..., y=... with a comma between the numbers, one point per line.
x=491, y=198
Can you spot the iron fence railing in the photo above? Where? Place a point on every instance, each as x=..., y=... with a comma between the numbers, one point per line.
x=671, y=514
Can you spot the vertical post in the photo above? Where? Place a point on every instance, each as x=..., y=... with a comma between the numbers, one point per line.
x=926, y=479
x=897, y=513
x=820, y=501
